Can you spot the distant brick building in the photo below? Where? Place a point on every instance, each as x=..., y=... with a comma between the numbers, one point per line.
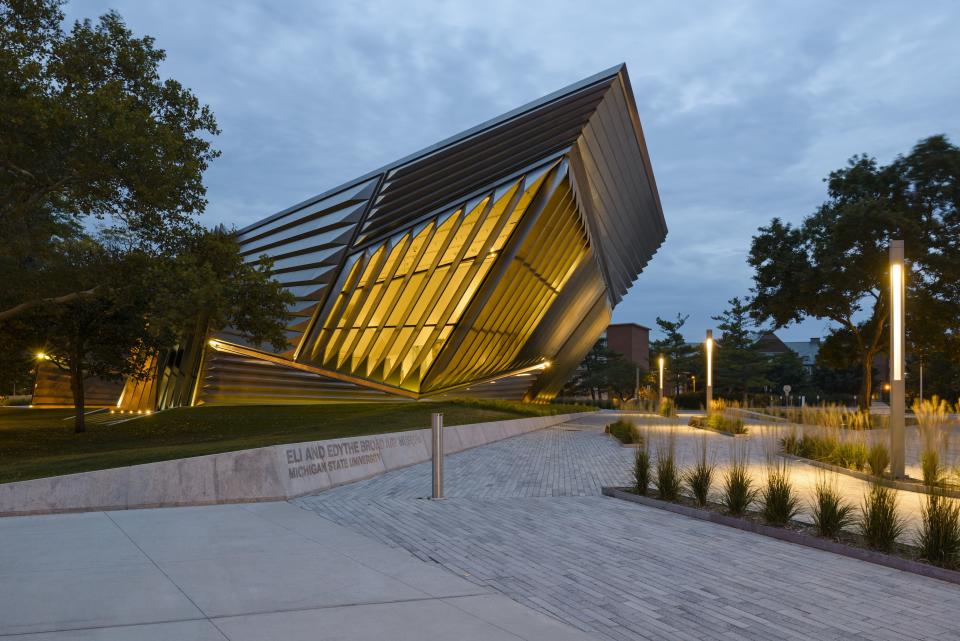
x=632, y=341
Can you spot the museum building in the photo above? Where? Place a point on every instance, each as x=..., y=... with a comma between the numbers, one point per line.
x=486, y=265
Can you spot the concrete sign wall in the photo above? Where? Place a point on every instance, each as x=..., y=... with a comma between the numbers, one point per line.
x=261, y=474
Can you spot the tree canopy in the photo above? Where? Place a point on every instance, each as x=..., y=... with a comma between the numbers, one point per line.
x=90, y=131
x=834, y=264
x=103, y=260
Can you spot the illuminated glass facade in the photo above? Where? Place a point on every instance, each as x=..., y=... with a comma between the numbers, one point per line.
x=485, y=265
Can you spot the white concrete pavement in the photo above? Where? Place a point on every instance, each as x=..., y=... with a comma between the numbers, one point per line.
x=236, y=572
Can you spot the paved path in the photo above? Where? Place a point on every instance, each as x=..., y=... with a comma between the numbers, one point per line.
x=254, y=572
x=525, y=517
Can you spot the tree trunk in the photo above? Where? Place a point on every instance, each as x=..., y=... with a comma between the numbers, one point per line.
x=866, y=387
x=76, y=384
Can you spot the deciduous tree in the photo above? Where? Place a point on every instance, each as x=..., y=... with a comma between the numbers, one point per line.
x=89, y=130
x=834, y=264
x=102, y=259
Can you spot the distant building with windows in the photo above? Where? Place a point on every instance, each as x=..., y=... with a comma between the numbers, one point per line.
x=769, y=344
x=630, y=340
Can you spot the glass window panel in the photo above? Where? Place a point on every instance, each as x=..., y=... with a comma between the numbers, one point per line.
x=433, y=288
x=442, y=310
x=466, y=228
x=405, y=302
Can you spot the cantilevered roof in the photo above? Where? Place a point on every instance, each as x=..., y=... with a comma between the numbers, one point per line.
x=546, y=214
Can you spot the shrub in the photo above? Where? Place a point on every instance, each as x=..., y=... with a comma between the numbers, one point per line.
x=939, y=536
x=830, y=512
x=690, y=400
x=778, y=499
x=699, y=479
x=850, y=455
x=827, y=448
x=738, y=490
x=878, y=458
x=668, y=476
x=933, y=417
x=641, y=470
x=604, y=404
x=722, y=423
x=832, y=416
x=16, y=401
x=880, y=522
x=791, y=444
x=930, y=467
x=625, y=432
x=667, y=408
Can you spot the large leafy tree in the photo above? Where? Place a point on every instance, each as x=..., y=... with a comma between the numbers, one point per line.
x=679, y=354
x=89, y=130
x=834, y=264
x=739, y=365
x=144, y=303
x=102, y=259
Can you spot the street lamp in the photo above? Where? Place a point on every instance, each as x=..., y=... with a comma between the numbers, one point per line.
x=897, y=336
x=660, y=360
x=709, y=348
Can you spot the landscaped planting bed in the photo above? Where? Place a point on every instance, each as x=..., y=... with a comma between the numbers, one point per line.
x=797, y=532
x=852, y=453
x=624, y=431
x=726, y=425
x=836, y=416
x=873, y=531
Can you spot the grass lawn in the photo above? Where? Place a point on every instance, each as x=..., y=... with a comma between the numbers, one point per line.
x=39, y=442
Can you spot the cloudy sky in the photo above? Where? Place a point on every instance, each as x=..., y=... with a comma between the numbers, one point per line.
x=746, y=106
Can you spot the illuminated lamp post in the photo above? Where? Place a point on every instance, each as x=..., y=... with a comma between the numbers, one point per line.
x=660, y=361
x=709, y=347
x=897, y=340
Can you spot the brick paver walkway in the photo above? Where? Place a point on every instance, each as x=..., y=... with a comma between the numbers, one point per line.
x=525, y=517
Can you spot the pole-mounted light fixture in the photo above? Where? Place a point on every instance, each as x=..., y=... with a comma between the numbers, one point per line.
x=897, y=349
x=896, y=318
x=708, y=345
x=660, y=361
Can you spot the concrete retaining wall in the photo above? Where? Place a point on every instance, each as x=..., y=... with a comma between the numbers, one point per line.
x=261, y=474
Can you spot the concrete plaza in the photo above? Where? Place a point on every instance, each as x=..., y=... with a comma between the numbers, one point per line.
x=240, y=572
x=525, y=517
x=524, y=548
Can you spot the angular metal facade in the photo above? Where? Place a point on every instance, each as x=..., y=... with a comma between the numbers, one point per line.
x=485, y=265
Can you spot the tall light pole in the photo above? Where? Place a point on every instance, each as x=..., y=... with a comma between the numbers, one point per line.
x=897, y=340
x=921, y=378
x=636, y=389
x=660, y=400
x=709, y=347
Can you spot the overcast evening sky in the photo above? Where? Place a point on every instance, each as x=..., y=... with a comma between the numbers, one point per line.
x=746, y=106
